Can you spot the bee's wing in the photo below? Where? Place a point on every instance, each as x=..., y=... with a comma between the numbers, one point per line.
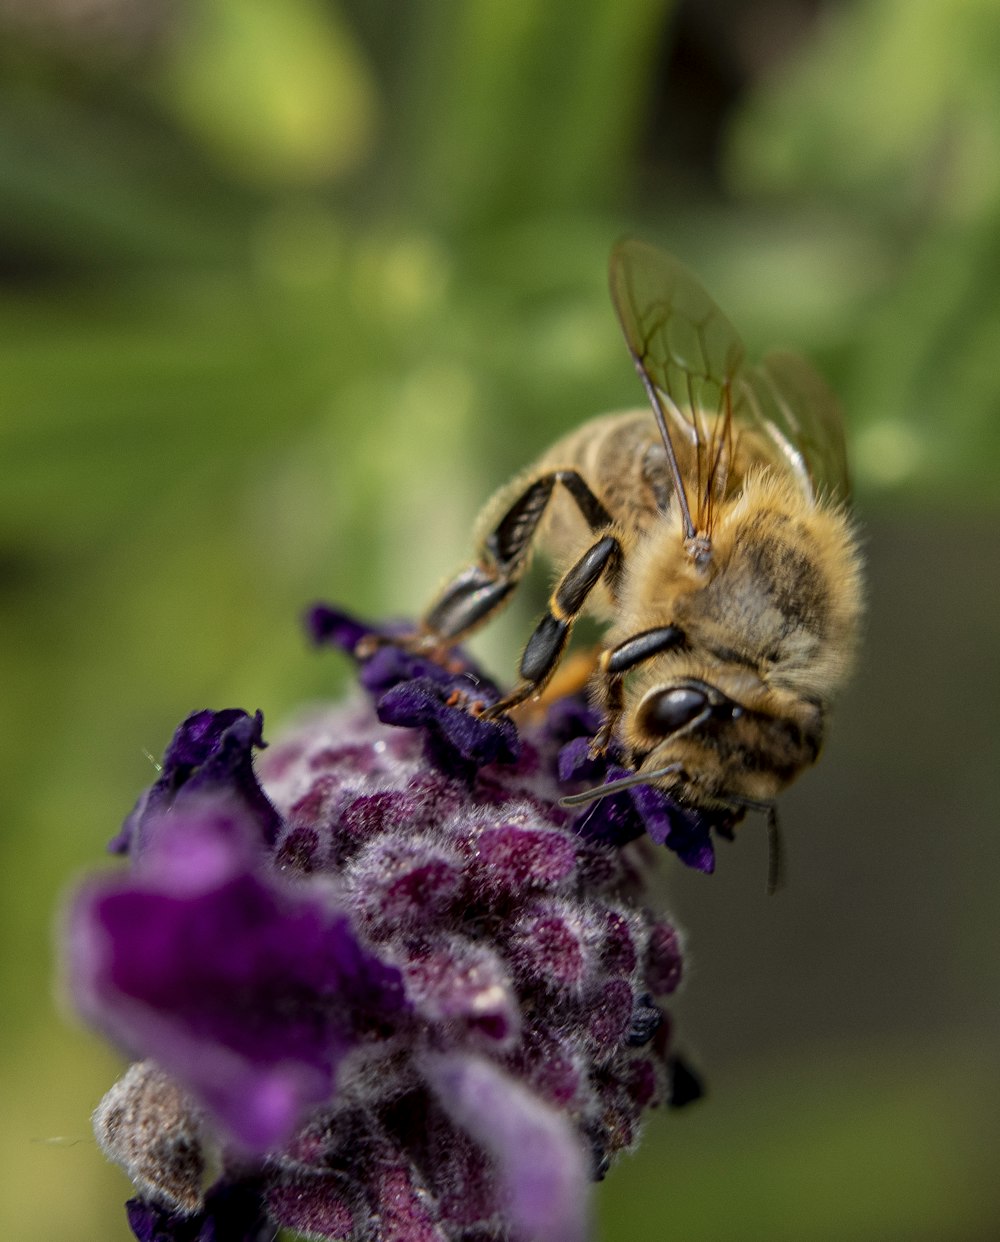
x=791, y=404
x=689, y=357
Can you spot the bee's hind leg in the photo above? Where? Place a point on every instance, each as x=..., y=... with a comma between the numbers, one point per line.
x=478, y=592
x=470, y=599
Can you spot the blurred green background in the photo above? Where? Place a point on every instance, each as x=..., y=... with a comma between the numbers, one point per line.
x=288, y=286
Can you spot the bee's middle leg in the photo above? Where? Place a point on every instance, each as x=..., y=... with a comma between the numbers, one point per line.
x=548, y=641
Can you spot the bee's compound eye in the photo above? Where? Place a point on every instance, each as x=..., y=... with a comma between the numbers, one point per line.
x=666, y=711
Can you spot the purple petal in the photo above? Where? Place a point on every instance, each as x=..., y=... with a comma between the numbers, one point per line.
x=391, y=663
x=233, y=1212
x=685, y=831
x=613, y=820
x=415, y=691
x=570, y=718
x=248, y=992
x=211, y=752
x=621, y=817
x=542, y=1167
x=575, y=763
x=329, y=626
x=392, y=666
x=459, y=742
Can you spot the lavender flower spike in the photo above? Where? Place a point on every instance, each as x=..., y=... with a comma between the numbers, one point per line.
x=380, y=983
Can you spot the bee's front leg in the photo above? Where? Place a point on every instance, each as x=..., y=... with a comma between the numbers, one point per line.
x=611, y=696
x=469, y=599
x=614, y=663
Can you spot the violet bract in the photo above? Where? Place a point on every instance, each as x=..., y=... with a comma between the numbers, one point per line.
x=379, y=984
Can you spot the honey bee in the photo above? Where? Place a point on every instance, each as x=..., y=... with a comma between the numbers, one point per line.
x=709, y=532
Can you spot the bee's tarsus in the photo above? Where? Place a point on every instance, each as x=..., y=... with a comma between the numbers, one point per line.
x=598, y=748
x=366, y=647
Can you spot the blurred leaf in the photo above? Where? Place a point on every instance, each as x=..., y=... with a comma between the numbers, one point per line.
x=515, y=108
x=279, y=92
x=891, y=117
x=110, y=401
x=895, y=99
x=86, y=185
x=924, y=377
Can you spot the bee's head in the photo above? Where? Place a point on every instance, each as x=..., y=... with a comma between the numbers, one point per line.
x=733, y=739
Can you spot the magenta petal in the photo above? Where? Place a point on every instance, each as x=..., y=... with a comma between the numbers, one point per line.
x=517, y=859
x=465, y=986
x=542, y=1167
x=318, y=1204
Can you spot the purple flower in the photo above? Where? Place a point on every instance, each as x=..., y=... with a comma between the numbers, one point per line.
x=413, y=690
x=540, y=1173
x=211, y=751
x=622, y=817
x=246, y=989
x=384, y=985
x=232, y=1213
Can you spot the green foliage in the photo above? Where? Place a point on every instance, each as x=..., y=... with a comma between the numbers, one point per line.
x=891, y=117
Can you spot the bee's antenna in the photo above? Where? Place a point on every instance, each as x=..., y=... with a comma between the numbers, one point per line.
x=625, y=782
x=775, y=853
x=775, y=844
x=656, y=399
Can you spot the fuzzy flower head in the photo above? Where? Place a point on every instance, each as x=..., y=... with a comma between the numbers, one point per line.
x=380, y=984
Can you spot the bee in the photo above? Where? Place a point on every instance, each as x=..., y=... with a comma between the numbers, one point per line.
x=709, y=532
